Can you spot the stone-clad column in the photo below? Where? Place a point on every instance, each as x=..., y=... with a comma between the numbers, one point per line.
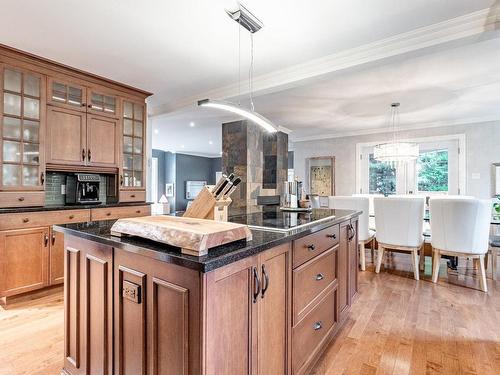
x=259, y=158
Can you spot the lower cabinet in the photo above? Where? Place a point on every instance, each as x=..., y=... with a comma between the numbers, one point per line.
x=24, y=259
x=56, y=260
x=247, y=318
x=348, y=263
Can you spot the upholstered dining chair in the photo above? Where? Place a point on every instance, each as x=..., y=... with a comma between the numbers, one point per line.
x=365, y=235
x=460, y=227
x=399, y=223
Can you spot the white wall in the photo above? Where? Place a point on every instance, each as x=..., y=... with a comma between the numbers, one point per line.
x=483, y=149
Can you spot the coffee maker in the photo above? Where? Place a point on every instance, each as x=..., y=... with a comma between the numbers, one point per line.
x=82, y=188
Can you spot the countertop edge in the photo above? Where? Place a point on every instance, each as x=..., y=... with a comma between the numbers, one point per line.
x=16, y=210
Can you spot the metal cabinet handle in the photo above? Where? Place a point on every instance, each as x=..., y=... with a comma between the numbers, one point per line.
x=121, y=180
x=20, y=199
x=138, y=211
x=71, y=217
x=132, y=195
x=266, y=279
x=84, y=104
x=53, y=239
x=83, y=154
x=46, y=239
x=318, y=325
x=89, y=154
x=333, y=235
x=108, y=213
x=352, y=231
x=42, y=178
x=319, y=277
x=311, y=247
x=256, y=285
x=26, y=220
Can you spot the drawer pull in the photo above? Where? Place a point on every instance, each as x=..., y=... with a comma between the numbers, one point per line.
x=26, y=220
x=20, y=199
x=256, y=285
x=53, y=239
x=318, y=325
x=319, y=277
x=46, y=239
x=108, y=213
x=333, y=236
x=132, y=195
x=311, y=247
x=71, y=217
x=138, y=211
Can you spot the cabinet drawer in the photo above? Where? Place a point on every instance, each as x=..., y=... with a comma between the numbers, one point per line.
x=119, y=212
x=132, y=196
x=310, y=280
x=308, y=247
x=22, y=199
x=309, y=334
x=43, y=218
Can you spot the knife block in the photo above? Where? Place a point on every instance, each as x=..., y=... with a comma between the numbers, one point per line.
x=205, y=206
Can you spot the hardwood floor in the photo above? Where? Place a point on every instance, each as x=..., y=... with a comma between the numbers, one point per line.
x=397, y=326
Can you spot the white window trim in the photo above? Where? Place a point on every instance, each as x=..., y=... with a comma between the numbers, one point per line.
x=462, y=159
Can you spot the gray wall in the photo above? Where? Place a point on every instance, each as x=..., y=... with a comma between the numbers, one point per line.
x=482, y=144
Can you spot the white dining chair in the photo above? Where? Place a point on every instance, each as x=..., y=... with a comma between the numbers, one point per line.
x=365, y=235
x=399, y=223
x=315, y=203
x=460, y=227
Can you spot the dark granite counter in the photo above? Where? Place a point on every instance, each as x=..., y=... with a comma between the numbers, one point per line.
x=99, y=231
x=15, y=210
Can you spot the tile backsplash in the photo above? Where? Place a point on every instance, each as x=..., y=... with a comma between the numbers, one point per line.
x=53, y=193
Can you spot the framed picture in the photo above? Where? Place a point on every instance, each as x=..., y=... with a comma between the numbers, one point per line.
x=169, y=190
x=321, y=175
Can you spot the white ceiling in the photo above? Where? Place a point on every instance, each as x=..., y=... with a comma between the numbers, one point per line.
x=181, y=49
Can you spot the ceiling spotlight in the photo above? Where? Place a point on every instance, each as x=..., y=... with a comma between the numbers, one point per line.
x=191, y=124
x=210, y=143
x=156, y=131
x=182, y=146
x=245, y=18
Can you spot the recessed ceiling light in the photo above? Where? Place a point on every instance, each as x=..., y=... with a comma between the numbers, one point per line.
x=156, y=131
x=220, y=152
x=191, y=124
x=210, y=143
x=182, y=146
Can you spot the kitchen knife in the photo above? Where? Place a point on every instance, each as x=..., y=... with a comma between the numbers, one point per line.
x=218, y=184
x=224, y=191
x=231, y=177
x=236, y=182
x=221, y=188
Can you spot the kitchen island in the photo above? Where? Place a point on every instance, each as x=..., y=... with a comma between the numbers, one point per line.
x=266, y=306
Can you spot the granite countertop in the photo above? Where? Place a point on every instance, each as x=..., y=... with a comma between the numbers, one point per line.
x=99, y=231
x=15, y=210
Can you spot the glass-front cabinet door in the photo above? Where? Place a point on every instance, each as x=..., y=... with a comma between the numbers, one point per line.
x=132, y=176
x=22, y=129
x=101, y=103
x=66, y=94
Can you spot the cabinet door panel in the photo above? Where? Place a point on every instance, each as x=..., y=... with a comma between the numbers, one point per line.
x=102, y=136
x=343, y=270
x=66, y=136
x=66, y=94
x=353, y=261
x=101, y=103
x=23, y=260
x=273, y=315
x=231, y=320
x=56, y=263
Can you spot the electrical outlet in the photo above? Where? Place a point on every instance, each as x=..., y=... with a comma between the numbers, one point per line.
x=476, y=176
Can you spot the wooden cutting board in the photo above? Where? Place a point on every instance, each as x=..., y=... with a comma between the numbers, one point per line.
x=193, y=236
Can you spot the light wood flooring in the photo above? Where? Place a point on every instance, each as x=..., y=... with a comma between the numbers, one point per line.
x=397, y=326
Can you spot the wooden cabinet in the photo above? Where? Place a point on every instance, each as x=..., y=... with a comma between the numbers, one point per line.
x=347, y=266
x=102, y=141
x=56, y=258
x=102, y=102
x=88, y=299
x=247, y=319
x=132, y=176
x=22, y=122
x=66, y=136
x=157, y=314
x=24, y=257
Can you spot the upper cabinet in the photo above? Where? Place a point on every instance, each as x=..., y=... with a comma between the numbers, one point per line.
x=133, y=145
x=66, y=94
x=101, y=103
x=22, y=119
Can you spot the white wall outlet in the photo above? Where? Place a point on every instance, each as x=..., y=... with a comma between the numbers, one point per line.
x=476, y=176
x=63, y=189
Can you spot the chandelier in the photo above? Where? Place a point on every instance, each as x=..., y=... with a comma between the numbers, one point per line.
x=395, y=151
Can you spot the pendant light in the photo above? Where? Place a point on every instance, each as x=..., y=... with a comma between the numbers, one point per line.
x=396, y=152
x=251, y=23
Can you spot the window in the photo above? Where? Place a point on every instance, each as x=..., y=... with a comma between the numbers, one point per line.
x=440, y=169
x=382, y=177
x=432, y=172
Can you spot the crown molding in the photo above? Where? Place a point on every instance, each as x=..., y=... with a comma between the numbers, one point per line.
x=416, y=126
x=443, y=32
